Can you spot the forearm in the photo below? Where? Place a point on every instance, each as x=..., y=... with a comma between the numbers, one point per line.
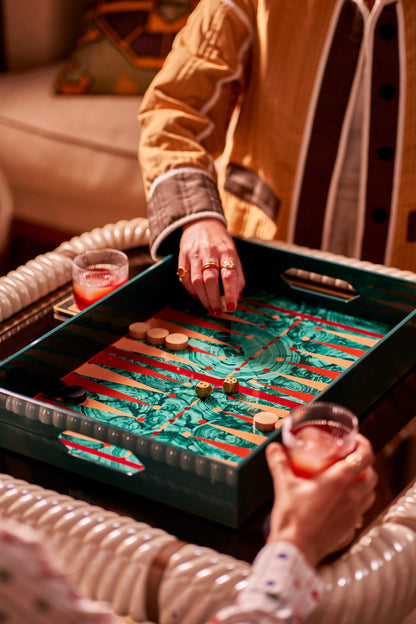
x=177, y=201
x=186, y=112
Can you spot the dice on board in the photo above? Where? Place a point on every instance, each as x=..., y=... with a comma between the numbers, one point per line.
x=230, y=385
x=203, y=389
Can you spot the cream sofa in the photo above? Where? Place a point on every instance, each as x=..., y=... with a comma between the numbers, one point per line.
x=68, y=164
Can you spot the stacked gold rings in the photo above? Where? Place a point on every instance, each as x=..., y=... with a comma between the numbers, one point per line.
x=211, y=264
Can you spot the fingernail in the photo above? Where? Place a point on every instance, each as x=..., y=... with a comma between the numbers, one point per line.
x=210, y=311
x=218, y=311
x=230, y=307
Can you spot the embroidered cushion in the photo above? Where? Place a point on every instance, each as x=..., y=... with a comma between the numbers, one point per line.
x=122, y=46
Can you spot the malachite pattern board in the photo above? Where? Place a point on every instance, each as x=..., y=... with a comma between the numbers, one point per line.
x=283, y=353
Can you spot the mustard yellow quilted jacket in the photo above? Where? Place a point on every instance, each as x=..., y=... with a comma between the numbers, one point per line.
x=285, y=73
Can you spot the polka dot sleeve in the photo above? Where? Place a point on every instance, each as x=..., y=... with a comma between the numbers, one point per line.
x=33, y=588
x=282, y=588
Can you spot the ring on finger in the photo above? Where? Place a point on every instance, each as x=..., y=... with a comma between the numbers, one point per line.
x=229, y=264
x=181, y=272
x=356, y=461
x=211, y=264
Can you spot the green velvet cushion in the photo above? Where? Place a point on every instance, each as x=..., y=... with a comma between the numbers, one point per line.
x=122, y=46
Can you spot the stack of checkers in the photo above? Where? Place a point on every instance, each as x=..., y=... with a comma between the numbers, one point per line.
x=265, y=421
x=158, y=336
x=57, y=388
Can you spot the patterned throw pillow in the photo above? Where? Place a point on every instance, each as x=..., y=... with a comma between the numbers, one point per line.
x=122, y=46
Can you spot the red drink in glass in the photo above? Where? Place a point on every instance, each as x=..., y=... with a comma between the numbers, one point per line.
x=96, y=273
x=318, y=435
x=94, y=285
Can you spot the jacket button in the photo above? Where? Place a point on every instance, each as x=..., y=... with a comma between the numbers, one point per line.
x=379, y=215
x=411, y=227
x=385, y=153
x=387, y=32
x=387, y=91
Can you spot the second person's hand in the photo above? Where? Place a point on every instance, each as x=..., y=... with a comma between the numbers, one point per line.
x=320, y=513
x=207, y=255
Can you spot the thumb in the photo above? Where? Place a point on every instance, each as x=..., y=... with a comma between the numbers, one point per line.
x=277, y=461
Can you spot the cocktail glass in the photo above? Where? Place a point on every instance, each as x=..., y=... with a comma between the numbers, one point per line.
x=317, y=435
x=96, y=273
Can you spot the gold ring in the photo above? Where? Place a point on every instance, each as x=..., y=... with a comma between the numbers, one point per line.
x=356, y=461
x=229, y=264
x=211, y=264
x=181, y=272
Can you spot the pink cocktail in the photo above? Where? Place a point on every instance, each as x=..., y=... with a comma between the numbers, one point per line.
x=317, y=435
x=96, y=273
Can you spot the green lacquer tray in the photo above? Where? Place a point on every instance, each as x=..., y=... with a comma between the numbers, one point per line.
x=306, y=329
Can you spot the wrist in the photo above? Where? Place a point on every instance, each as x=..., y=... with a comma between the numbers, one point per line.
x=204, y=220
x=281, y=584
x=292, y=537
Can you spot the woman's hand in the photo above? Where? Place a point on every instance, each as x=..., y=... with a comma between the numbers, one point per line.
x=320, y=513
x=207, y=242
